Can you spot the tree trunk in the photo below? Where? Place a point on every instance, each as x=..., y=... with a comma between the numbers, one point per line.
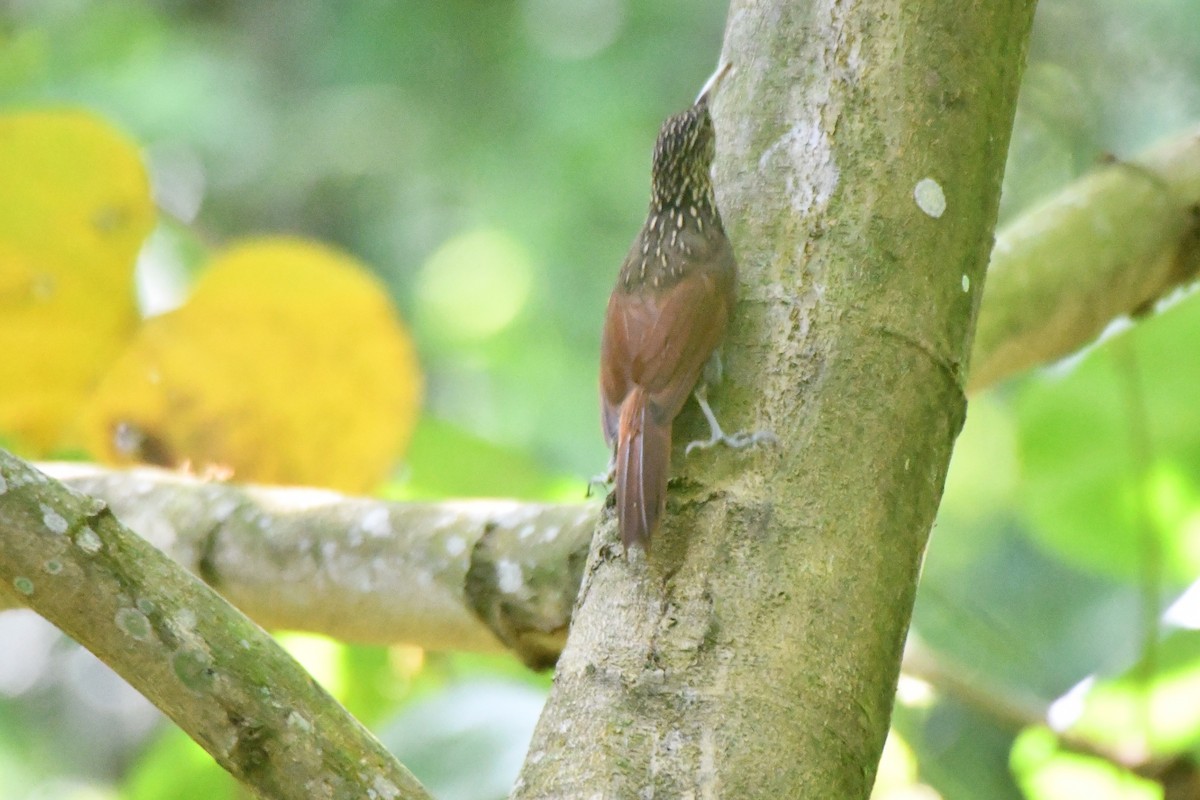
x=755, y=652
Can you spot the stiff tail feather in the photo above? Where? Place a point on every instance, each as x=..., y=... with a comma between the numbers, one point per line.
x=642, y=468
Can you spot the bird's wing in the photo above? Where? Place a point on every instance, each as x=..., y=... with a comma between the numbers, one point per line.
x=660, y=338
x=689, y=322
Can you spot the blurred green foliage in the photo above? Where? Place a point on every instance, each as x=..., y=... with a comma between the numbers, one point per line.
x=396, y=130
x=490, y=160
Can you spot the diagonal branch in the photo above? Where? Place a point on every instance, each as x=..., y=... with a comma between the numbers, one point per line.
x=219, y=676
x=1109, y=245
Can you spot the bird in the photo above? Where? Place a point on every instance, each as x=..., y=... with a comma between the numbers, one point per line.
x=665, y=320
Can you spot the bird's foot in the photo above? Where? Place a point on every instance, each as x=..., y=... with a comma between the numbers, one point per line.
x=604, y=479
x=737, y=440
x=717, y=436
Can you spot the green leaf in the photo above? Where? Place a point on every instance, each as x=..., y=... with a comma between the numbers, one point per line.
x=961, y=754
x=1152, y=706
x=1046, y=772
x=1094, y=486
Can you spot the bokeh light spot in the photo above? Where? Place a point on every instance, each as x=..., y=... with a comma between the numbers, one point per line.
x=576, y=29
x=474, y=285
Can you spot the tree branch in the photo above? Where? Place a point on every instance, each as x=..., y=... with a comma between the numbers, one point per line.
x=219, y=676
x=540, y=547
x=473, y=575
x=1109, y=245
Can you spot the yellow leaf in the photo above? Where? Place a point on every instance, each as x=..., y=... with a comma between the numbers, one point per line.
x=288, y=364
x=74, y=209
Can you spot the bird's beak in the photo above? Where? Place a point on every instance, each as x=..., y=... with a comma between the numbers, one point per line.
x=710, y=86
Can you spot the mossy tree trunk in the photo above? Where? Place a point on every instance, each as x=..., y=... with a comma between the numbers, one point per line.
x=756, y=652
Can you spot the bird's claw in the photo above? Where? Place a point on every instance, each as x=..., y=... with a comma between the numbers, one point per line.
x=737, y=441
x=603, y=480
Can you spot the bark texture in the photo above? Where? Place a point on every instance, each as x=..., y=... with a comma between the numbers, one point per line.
x=1111, y=244
x=477, y=575
x=755, y=653
x=224, y=680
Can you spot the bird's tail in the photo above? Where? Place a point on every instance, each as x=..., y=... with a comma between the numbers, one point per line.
x=642, y=468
